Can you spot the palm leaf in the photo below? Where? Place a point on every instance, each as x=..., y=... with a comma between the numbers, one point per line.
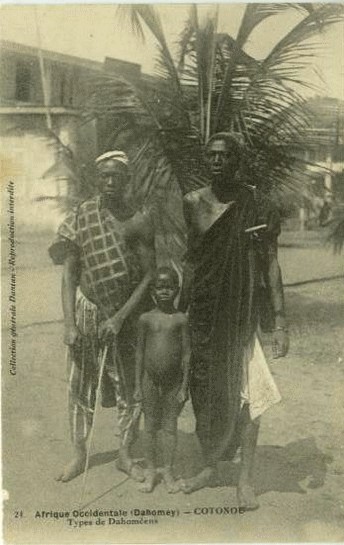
x=146, y=14
x=254, y=15
x=214, y=85
x=287, y=59
x=292, y=48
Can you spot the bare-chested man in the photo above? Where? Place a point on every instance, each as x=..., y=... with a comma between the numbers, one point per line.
x=162, y=373
x=107, y=251
x=230, y=383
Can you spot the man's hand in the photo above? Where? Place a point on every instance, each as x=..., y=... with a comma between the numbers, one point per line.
x=72, y=335
x=280, y=343
x=111, y=327
x=183, y=394
x=137, y=395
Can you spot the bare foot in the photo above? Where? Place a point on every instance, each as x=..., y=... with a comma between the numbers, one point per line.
x=73, y=469
x=150, y=481
x=172, y=485
x=134, y=471
x=247, y=498
x=137, y=473
x=203, y=479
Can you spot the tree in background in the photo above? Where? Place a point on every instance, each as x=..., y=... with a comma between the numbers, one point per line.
x=213, y=85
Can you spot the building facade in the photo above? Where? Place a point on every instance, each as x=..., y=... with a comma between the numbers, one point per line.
x=324, y=198
x=327, y=146
x=41, y=100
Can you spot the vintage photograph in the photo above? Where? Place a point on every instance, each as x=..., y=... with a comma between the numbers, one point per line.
x=172, y=198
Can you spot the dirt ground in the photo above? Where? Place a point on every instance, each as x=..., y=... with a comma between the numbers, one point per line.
x=299, y=473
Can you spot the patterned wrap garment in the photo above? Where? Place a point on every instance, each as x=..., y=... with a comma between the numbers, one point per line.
x=109, y=273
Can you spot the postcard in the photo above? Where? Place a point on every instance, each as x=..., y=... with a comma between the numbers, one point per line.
x=172, y=193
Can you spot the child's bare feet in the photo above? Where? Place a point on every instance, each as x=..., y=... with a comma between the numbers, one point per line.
x=150, y=481
x=246, y=497
x=203, y=479
x=126, y=464
x=75, y=467
x=171, y=484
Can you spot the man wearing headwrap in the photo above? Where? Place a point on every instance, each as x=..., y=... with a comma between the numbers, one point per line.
x=231, y=385
x=107, y=251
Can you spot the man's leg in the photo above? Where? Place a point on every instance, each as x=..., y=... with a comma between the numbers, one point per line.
x=151, y=408
x=199, y=392
x=128, y=418
x=169, y=426
x=249, y=435
x=120, y=375
x=80, y=418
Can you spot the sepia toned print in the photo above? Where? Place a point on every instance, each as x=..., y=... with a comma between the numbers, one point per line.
x=172, y=196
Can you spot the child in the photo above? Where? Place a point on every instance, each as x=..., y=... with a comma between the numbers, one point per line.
x=162, y=372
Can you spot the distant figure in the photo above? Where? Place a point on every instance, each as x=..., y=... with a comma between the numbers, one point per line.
x=325, y=214
x=162, y=371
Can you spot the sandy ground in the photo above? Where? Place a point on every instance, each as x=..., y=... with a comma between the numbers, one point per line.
x=299, y=466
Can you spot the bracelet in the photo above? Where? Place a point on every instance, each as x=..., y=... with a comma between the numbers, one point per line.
x=281, y=328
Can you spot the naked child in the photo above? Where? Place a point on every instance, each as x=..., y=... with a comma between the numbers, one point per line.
x=162, y=376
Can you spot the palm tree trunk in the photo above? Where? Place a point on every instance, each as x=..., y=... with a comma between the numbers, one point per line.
x=211, y=76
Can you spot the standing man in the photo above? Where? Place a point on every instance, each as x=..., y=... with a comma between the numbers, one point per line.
x=231, y=385
x=107, y=251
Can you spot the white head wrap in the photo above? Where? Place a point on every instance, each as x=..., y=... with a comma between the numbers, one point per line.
x=115, y=155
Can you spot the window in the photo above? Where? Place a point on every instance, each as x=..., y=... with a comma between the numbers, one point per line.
x=63, y=88
x=66, y=87
x=23, y=82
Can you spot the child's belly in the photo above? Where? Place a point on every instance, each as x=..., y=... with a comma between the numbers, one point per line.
x=163, y=355
x=164, y=369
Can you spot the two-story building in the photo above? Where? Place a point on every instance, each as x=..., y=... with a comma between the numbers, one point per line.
x=327, y=146
x=41, y=97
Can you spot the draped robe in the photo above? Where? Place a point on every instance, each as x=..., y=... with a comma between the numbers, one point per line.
x=223, y=320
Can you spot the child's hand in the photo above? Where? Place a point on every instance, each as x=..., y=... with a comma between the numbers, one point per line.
x=111, y=327
x=183, y=395
x=72, y=335
x=138, y=395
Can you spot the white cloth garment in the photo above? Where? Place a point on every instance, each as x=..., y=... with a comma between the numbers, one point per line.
x=258, y=389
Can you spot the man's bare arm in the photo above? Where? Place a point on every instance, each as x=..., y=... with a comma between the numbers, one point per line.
x=184, y=299
x=281, y=339
x=276, y=285
x=144, y=246
x=69, y=284
x=186, y=353
x=146, y=253
x=139, y=360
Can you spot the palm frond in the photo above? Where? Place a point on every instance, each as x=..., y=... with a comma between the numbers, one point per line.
x=214, y=85
x=254, y=15
x=296, y=47
x=187, y=35
x=140, y=15
x=130, y=17
x=287, y=59
x=149, y=16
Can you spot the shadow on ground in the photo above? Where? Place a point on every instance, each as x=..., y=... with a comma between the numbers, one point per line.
x=282, y=469
x=278, y=469
x=102, y=458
